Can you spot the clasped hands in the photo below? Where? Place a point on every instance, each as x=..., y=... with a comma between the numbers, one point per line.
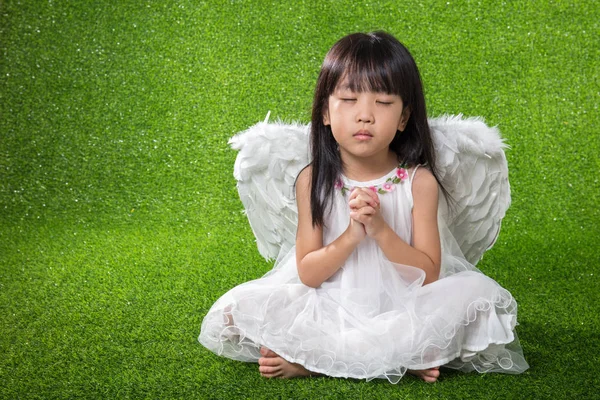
x=365, y=213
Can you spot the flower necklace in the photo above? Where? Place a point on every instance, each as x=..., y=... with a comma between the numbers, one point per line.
x=388, y=186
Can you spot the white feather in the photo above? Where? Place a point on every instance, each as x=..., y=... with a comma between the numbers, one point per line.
x=473, y=169
x=270, y=157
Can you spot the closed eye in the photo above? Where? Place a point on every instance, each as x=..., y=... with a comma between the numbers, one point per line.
x=386, y=103
x=348, y=99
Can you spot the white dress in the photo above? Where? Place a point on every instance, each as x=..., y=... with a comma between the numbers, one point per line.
x=373, y=318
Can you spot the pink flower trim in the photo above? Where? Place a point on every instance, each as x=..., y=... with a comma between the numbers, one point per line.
x=388, y=186
x=402, y=174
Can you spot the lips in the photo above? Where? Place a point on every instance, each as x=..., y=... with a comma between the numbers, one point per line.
x=362, y=135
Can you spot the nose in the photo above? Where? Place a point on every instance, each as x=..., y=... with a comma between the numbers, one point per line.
x=364, y=114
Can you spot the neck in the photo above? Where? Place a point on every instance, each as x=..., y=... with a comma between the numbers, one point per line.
x=368, y=168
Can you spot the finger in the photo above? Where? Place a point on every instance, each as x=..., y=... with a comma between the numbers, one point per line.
x=356, y=204
x=356, y=216
x=369, y=197
x=361, y=201
x=366, y=210
x=368, y=193
x=361, y=216
x=371, y=192
x=354, y=192
x=363, y=219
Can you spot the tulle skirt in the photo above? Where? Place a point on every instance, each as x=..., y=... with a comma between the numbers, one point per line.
x=372, y=319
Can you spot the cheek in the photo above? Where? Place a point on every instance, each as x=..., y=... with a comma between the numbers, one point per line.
x=338, y=127
x=335, y=117
x=333, y=109
x=335, y=130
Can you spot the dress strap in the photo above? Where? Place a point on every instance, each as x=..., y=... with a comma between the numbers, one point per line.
x=414, y=172
x=409, y=186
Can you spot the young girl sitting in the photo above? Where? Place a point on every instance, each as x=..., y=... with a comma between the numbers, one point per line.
x=374, y=288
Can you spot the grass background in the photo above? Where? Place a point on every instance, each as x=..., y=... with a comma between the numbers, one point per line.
x=119, y=218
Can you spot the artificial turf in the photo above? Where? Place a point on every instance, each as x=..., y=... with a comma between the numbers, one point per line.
x=119, y=218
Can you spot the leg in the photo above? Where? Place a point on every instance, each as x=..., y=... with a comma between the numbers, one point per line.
x=273, y=366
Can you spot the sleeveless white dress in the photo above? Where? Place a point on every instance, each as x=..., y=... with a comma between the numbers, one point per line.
x=373, y=318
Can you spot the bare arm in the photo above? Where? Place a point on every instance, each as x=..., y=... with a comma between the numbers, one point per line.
x=317, y=263
x=425, y=253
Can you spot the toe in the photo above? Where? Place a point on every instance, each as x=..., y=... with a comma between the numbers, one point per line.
x=267, y=352
x=428, y=375
x=269, y=361
x=431, y=375
x=434, y=372
x=268, y=370
x=274, y=374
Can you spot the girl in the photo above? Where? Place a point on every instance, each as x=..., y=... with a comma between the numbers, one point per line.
x=373, y=287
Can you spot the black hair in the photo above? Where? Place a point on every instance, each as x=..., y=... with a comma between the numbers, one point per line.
x=375, y=62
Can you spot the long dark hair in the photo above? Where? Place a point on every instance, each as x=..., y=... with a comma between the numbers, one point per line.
x=375, y=62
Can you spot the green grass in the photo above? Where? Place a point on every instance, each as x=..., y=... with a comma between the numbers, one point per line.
x=119, y=218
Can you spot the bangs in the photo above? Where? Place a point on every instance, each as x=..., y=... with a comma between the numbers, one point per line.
x=366, y=66
x=370, y=77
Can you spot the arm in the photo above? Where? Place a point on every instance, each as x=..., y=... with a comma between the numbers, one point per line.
x=317, y=263
x=426, y=250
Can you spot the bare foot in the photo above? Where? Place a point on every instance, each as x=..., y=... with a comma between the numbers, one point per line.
x=273, y=366
x=428, y=375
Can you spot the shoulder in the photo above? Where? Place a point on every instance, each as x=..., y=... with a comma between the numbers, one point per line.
x=424, y=182
x=303, y=181
x=305, y=174
x=425, y=198
x=424, y=192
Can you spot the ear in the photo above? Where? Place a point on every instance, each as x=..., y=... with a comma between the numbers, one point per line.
x=404, y=119
x=326, y=120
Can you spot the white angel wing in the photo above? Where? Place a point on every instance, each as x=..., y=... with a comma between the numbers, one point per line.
x=473, y=169
x=270, y=157
x=470, y=160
